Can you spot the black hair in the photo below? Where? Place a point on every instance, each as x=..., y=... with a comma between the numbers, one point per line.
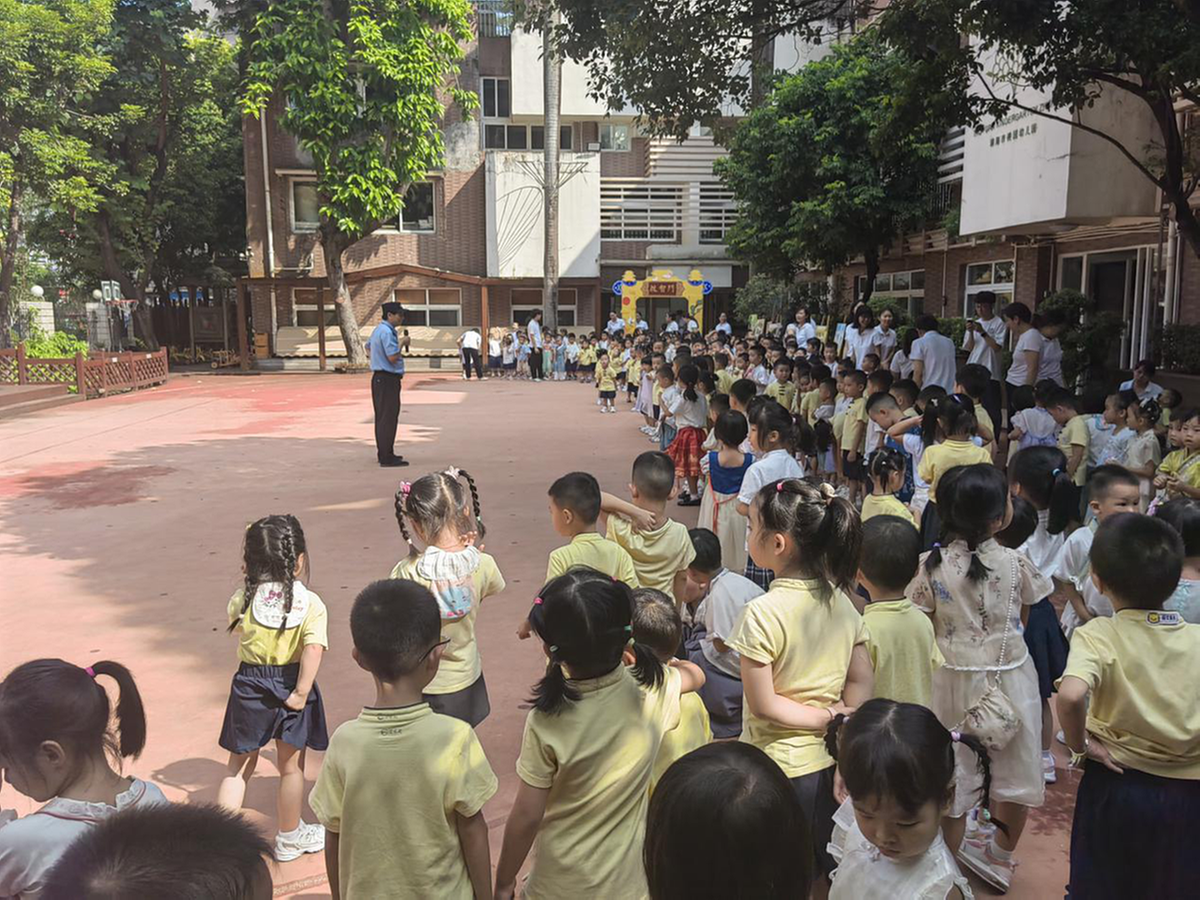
x=830, y=383
x=186, y=851
x=857, y=376
x=743, y=390
x=585, y=618
x=1139, y=559
x=985, y=297
x=874, y=356
x=1044, y=391
x=394, y=623
x=755, y=404
x=1148, y=411
x=667, y=371
x=895, y=552
x=771, y=416
x=1017, y=311
x=438, y=501
x=721, y=358
x=1169, y=394
x=1022, y=525
x=1023, y=398
x=885, y=461
x=657, y=623
x=883, y=378
x=783, y=361
x=1102, y=479
x=1122, y=400
x=926, y=322
x=929, y=396
x=1041, y=474
x=908, y=388
x=688, y=376
x=1183, y=514
x=902, y=752
x=974, y=379
x=969, y=499
x=706, y=381
x=654, y=475
x=53, y=700
x=580, y=493
x=708, y=551
x=730, y=805
x=955, y=413
x=814, y=346
x=1147, y=366
x=864, y=310
x=270, y=550
x=881, y=399
x=718, y=403
x=1063, y=397
x=825, y=528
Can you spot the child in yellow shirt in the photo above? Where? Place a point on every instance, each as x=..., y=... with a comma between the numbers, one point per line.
x=854, y=431
x=781, y=390
x=1073, y=440
x=887, y=477
x=657, y=624
x=589, y=746
x=606, y=382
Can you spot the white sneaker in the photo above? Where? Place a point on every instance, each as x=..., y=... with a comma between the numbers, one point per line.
x=599, y=402
x=305, y=839
x=1060, y=737
x=1048, y=773
x=979, y=828
x=976, y=856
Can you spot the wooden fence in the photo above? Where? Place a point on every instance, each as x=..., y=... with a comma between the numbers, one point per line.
x=94, y=375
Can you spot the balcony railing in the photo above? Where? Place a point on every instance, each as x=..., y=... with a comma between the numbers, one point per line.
x=495, y=17
x=643, y=209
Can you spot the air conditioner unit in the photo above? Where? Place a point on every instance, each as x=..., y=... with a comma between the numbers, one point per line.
x=594, y=147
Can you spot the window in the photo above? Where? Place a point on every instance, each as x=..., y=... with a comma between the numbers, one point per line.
x=527, y=301
x=495, y=17
x=305, y=206
x=434, y=307
x=537, y=137
x=497, y=103
x=996, y=277
x=907, y=288
x=417, y=214
x=505, y=137
x=304, y=308
x=614, y=137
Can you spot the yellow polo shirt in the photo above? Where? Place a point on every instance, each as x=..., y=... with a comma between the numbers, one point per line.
x=461, y=665
x=1142, y=668
x=885, y=505
x=692, y=731
x=725, y=380
x=1172, y=461
x=260, y=640
x=1075, y=434
x=807, y=643
x=854, y=431
x=904, y=651
x=595, y=551
x=941, y=458
x=392, y=785
x=657, y=555
x=595, y=756
x=606, y=378
x=782, y=393
x=809, y=404
x=587, y=357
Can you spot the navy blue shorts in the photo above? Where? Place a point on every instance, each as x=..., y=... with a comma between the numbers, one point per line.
x=1047, y=645
x=255, y=714
x=471, y=704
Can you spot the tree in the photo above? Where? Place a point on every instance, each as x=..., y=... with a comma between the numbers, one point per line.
x=365, y=83
x=552, y=102
x=837, y=162
x=685, y=62
x=160, y=124
x=1144, y=49
x=52, y=61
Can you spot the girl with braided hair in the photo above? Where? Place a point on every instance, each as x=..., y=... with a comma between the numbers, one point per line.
x=897, y=763
x=441, y=511
x=282, y=633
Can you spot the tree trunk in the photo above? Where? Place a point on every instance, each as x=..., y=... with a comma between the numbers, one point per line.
x=1185, y=219
x=552, y=96
x=333, y=245
x=762, y=63
x=142, y=319
x=8, y=264
x=871, y=257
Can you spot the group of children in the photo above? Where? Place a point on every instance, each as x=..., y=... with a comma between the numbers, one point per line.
x=887, y=672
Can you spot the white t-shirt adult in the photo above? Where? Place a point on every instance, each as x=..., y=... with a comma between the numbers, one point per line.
x=1018, y=372
x=1050, y=362
x=672, y=326
x=936, y=351
x=885, y=341
x=693, y=325
x=535, y=333
x=727, y=596
x=981, y=353
x=643, y=325
x=615, y=325
x=472, y=340
x=1150, y=393
x=802, y=333
x=901, y=365
x=728, y=329
x=858, y=344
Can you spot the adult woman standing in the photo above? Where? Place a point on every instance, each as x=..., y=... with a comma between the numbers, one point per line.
x=860, y=336
x=1027, y=349
x=801, y=329
x=884, y=338
x=1050, y=326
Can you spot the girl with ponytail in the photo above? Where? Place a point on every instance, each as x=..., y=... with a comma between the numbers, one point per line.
x=57, y=749
x=441, y=511
x=978, y=594
x=690, y=410
x=598, y=719
x=897, y=762
x=803, y=645
x=282, y=630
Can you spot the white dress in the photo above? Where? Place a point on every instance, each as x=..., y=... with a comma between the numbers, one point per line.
x=863, y=873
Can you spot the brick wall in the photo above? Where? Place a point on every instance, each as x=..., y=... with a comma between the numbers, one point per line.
x=631, y=164
x=1189, y=287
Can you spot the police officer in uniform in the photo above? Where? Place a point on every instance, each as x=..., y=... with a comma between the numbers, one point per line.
x=387, y=373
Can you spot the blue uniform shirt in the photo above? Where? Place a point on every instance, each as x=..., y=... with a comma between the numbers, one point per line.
x=384, y=343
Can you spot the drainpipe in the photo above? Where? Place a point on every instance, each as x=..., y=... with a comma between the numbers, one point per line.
x=269, y=262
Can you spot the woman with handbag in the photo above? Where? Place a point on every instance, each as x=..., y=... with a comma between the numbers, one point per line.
x=978, y=594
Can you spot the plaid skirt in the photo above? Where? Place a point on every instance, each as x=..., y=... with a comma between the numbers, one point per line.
x=686, y=450
x=761, y=577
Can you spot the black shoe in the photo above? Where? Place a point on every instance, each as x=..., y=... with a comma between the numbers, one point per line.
x=688, y=500
x=394, y=462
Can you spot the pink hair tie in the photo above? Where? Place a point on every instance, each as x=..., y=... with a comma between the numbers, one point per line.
x=91, y=672
x=405, y=487
x=779, y=487
x=537, y=601
x=956, y=736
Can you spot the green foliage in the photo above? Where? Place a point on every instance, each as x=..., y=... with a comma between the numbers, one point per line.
x=364, y=92
x=1089, y=336
x=840, y=159
x=59, y=345
x=775, y=300
x=1178, y=348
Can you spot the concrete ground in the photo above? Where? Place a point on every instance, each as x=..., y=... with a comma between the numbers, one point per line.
x=121, y=522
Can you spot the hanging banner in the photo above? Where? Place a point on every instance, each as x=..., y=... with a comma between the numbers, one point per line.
x=661, y=283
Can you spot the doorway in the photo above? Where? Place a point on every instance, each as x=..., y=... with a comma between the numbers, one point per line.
x=1119, y=282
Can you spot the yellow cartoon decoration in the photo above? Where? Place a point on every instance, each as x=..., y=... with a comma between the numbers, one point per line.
x=661, y=283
